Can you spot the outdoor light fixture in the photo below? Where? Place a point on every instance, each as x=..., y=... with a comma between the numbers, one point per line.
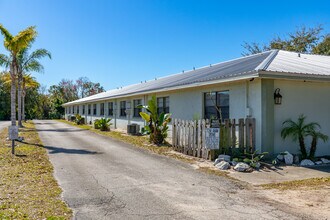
x=277, y=97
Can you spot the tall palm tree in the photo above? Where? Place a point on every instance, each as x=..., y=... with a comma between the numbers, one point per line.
x=28, y=82
x=15, y=44
x=298, y=131
x=28, y=63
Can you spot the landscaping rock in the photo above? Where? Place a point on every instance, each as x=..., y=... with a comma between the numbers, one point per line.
x=241, y=167
x=224, y=157
x=234, y=163
x=306, y=162
x=296, y=159
x=280, y=157
x=218, y=160
x=318, y=162
x=223, y=165
x=324, y=160
x=288, y=158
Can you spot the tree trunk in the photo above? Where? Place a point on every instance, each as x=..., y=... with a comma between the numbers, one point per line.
x=302, y=147
x=23, y=105
x=13, y=93
x=19, y=100
x=313, y=148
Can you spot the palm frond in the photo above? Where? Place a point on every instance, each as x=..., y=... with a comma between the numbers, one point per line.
x=5, y=33
x=40, y=53
x=4, y=60
x=22, y=40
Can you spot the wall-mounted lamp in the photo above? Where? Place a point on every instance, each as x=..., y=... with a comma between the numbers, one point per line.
x=277, y=97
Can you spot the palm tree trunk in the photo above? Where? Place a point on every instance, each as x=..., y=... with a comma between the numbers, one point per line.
x=313, y=148
x=302, y=147
x=19, y=100
x=13, y=94
x=23, y=105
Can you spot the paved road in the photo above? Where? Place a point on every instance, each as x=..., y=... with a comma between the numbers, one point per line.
x=4, y=124
x=106, y=179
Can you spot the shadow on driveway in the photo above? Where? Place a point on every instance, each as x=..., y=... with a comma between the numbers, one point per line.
x=59, y=150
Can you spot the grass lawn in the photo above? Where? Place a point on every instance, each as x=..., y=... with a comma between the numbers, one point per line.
x=28, y=189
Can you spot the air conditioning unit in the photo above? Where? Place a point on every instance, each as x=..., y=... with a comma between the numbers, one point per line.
x=133, y=129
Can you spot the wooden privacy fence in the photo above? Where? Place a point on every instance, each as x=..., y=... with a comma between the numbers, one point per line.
x=189, y=137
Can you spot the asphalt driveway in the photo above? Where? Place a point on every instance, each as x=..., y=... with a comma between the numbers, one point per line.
x=4, y=124
x=103, y=178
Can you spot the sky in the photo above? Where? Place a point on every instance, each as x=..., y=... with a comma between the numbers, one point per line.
x=122, y=42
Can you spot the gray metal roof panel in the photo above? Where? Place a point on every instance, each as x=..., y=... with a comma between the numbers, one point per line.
x=240, y=66
x=269, y=61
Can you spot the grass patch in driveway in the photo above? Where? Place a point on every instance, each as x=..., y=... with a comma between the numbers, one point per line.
x=28, y=189
x=312, y=183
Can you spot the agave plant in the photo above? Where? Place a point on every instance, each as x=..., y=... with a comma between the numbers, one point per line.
x=157, y=125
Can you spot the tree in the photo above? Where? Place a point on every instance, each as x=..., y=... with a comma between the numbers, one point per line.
x=28, y=63
x=323, y=48
x=4, y=97
x=316, y=135
x=15, y=44
x=29, y=82
x=298, y=131
x=303, y=40
x=87, y=88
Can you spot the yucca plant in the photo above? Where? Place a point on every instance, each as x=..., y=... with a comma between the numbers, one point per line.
x=157, y=125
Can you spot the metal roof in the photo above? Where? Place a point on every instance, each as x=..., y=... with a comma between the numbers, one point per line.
x=249, y=66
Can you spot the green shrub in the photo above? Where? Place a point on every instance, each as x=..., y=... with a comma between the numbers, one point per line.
x=157, y=125
x=79, y=120
x=96, y=124
x=103, y=124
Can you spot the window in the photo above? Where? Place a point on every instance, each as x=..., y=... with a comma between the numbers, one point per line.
x=78, y=109
x=83, y=109
x=94, y=109
x=70, y=110
x=163, y=105
x=122, y=108
x=137, y=111
x=214, y=101
x=73, y=107
x=89, y=109
x=102, y=108
x=110, y=108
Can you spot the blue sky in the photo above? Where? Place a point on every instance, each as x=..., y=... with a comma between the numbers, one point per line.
x=120, y=42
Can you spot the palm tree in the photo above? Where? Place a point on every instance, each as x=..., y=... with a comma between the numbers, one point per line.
x=29, y=82
x=298, y=131
x=315, y=136
x=15, y=44
x=28, y=63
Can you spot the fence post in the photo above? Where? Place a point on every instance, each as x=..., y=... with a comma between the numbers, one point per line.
x=241, y=134
x=233, y=133
x=199, y=137
x=173, y=134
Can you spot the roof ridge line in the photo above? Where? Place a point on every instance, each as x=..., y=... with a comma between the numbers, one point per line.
x=264, y=64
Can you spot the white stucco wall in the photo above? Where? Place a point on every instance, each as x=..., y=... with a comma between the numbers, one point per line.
x=188, y=103
x=309, y=98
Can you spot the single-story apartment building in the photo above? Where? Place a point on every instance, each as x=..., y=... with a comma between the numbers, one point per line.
x=243, y=87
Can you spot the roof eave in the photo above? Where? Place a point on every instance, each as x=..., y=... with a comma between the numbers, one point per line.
x=251, y=75
x=287, y=75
